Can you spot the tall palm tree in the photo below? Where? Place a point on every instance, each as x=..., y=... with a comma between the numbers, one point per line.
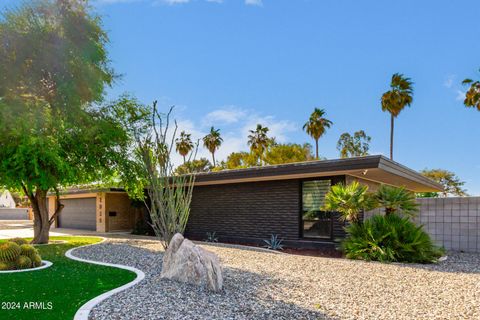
x=259, y=141
x=396, y=99
x=184, y=144
x=316, y=126
x=212, y=142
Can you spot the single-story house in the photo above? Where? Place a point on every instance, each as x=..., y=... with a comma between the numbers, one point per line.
x=249, y=205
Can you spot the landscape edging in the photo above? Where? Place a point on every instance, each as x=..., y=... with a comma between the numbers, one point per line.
x=84, y=311
x=45, y=264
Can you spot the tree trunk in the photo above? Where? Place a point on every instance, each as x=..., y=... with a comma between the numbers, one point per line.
x=392, y=123
x=41, y=223
x=316, y=149
x=184, y=161
x=213, y=157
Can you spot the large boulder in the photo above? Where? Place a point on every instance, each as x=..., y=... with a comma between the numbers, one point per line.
x=186, y=262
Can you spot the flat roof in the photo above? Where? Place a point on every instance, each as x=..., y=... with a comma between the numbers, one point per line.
x=376, y=168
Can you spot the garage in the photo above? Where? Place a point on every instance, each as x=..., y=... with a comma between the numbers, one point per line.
x=78, y=214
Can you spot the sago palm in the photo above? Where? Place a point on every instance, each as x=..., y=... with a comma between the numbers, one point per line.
x=212, y=142
x=349, y=201
x=259, y=141
x=396, y=200
x=184, y=145
x=316, y=126
x=472, y=96
x=396, y=99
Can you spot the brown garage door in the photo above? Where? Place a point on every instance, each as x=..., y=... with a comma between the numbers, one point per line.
x=78, y=214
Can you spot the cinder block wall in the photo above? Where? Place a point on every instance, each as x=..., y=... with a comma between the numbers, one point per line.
x=453, y=223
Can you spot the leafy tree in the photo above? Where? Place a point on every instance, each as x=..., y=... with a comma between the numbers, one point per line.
x=349, y=200
x=288, y=153
x=396, y=99
x=53, y=69
x=184, y=145
x=195, y=166
x=472, y=96
x=237, y=160
x=316, y=126
x=396, y=200
x=452, y=185
x=212, y=142
x=355, y=146
x=259, y=141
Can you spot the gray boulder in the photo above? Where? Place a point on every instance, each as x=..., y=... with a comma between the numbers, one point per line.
x=186, y=262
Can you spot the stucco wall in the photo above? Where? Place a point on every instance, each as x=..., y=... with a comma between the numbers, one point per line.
x=13, y=214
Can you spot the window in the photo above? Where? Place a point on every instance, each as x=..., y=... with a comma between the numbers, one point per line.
x=315, y=222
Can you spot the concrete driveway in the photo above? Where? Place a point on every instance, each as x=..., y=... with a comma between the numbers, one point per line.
x=24, y=229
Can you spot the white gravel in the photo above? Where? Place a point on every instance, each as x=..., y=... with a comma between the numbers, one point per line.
x=259, y=285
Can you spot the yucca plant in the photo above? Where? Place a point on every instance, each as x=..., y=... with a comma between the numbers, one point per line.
x=388, y=239
x=349, y=201
x=396, y=200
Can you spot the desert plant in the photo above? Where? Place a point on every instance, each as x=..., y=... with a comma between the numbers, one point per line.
x=169, y=194
x=36, y=260
x=28, y=251
x=211, y=237
x=274, y=243
x=19, y=241
x=9, y=251
x=23, y=262
x=348, y=201
x=7, y=265
x=396, y=200
x=388, y=239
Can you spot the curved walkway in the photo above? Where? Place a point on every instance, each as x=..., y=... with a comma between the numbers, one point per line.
x=84, y=311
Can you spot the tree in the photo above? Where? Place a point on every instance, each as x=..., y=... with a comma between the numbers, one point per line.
x=349, y=201
x=194, y=166
x=184, y=145
x=53, y=71
x=355, y=146
x=259, y=141
x=288, y=153
x=396, y=99
x=316, y=126
x=212, y=142
x=237, y=160
x=452, y=185
x=396, y=200
x=472, y=96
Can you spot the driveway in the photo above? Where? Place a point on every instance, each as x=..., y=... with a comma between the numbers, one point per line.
x=24, y=229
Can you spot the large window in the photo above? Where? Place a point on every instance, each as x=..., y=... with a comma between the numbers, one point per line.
x=316, y=223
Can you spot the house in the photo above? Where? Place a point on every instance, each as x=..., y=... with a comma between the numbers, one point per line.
x=248, y=205
x=6, y=200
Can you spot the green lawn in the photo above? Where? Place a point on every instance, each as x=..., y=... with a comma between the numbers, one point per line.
x=66, y=285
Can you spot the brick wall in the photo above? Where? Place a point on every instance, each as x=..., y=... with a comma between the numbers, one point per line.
x=120, y=204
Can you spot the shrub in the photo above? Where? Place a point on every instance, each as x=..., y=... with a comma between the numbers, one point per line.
x=396, y=200
x=389, y=238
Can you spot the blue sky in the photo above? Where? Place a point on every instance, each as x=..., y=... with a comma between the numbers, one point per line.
x=234, y=63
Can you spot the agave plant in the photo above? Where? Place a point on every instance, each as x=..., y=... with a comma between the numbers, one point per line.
x=396, y=200
x=274, y=243
x=349, y=201
x=211, y=237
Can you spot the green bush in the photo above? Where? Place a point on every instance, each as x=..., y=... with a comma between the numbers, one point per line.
x=389, y=238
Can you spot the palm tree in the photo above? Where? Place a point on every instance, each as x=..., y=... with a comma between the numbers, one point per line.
x=259, y=141
x=472, y=96
x=395, y=100
x=349, y=201
x=316, y=126
x=396, y=200
x=184, y=144
x=212, y=142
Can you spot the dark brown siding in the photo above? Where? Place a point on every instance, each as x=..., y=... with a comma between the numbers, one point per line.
x=250, y=212
x=246, y=210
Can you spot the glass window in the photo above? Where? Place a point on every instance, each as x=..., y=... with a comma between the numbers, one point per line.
x=315, y=222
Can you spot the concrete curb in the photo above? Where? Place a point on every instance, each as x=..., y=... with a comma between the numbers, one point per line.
x=45, y=264
x=84, y=311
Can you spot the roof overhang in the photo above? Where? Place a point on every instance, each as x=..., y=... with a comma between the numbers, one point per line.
x=373, y=168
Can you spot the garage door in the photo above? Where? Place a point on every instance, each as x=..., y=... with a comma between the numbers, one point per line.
x=78, y=214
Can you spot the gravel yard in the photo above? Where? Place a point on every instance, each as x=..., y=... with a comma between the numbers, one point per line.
x=260, y=285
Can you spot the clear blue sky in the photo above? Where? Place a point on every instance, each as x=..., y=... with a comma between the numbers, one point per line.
x=234, y=63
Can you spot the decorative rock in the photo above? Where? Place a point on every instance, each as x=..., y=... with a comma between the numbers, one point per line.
x=186, y=262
